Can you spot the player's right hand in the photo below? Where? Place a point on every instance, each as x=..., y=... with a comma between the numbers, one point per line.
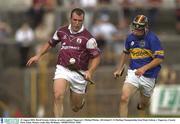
x=118, y=73
x=88, y=75
x=33, y=59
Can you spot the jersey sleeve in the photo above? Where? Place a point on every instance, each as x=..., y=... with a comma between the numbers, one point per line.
x=126, y=46
x=158, y=51
x=54, y=40
x=91, y=45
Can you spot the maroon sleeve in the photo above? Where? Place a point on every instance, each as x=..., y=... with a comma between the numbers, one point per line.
x=53, y=42
x=94, y=52
x=55, y=39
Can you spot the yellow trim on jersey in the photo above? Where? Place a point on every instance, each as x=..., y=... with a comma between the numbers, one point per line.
x=160, y=52
x=139, y=53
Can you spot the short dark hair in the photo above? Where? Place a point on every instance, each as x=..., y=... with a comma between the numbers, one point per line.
x=78, y=11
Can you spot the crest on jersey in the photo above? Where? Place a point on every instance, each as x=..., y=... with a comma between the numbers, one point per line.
x=64, y=37
x=79, y=40
x=132, y=43
x=142, y=43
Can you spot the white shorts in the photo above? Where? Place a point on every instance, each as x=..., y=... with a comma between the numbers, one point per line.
x=77, y=82
x=144, y=84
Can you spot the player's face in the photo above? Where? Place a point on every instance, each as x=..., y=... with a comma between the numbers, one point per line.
x=76, y=22
x=138, y=32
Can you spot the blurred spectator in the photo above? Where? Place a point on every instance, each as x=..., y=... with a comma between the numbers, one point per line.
x=103, y=31
x=127, y=8
x=49, y=16
x=48, y=22
x=24, y=36
x=87, y=4
x=168, y=75
x=70, y=3
x=153, y=9
x=50, y=5
x=41, y=33
x=59, y=2
x=44, y=29
x=89, y=7
x=139, y=7
x=99, y=37
x=36, y=13
x=5, y=33
x=108, y=2
x=119, y=37
x=5, y=30
x=132, y=8
x=177, y=12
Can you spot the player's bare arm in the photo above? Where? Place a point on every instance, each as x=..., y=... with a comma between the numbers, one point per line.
x=92, y=67
x=120, y=68
x=143, y=69
x=36, y=58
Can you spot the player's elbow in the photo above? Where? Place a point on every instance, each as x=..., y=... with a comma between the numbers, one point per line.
x=96, y=60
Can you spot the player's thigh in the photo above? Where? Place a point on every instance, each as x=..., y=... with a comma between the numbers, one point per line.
x=76, y=98
x=147, y=86
x=128, y=90
x=60, y=86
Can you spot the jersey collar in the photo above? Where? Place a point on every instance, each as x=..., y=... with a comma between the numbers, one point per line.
x=72, y=32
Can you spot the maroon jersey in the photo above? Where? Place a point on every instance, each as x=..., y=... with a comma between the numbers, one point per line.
x=78, y=45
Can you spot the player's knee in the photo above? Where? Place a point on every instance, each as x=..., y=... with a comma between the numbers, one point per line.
x=124, y=99
x=58, y=96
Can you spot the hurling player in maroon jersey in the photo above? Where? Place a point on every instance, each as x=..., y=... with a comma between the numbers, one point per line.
x=79, y=47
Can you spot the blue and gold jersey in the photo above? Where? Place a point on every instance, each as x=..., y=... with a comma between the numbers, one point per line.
x=143, y=50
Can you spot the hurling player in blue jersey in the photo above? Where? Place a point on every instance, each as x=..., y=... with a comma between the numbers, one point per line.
x=145, y=54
